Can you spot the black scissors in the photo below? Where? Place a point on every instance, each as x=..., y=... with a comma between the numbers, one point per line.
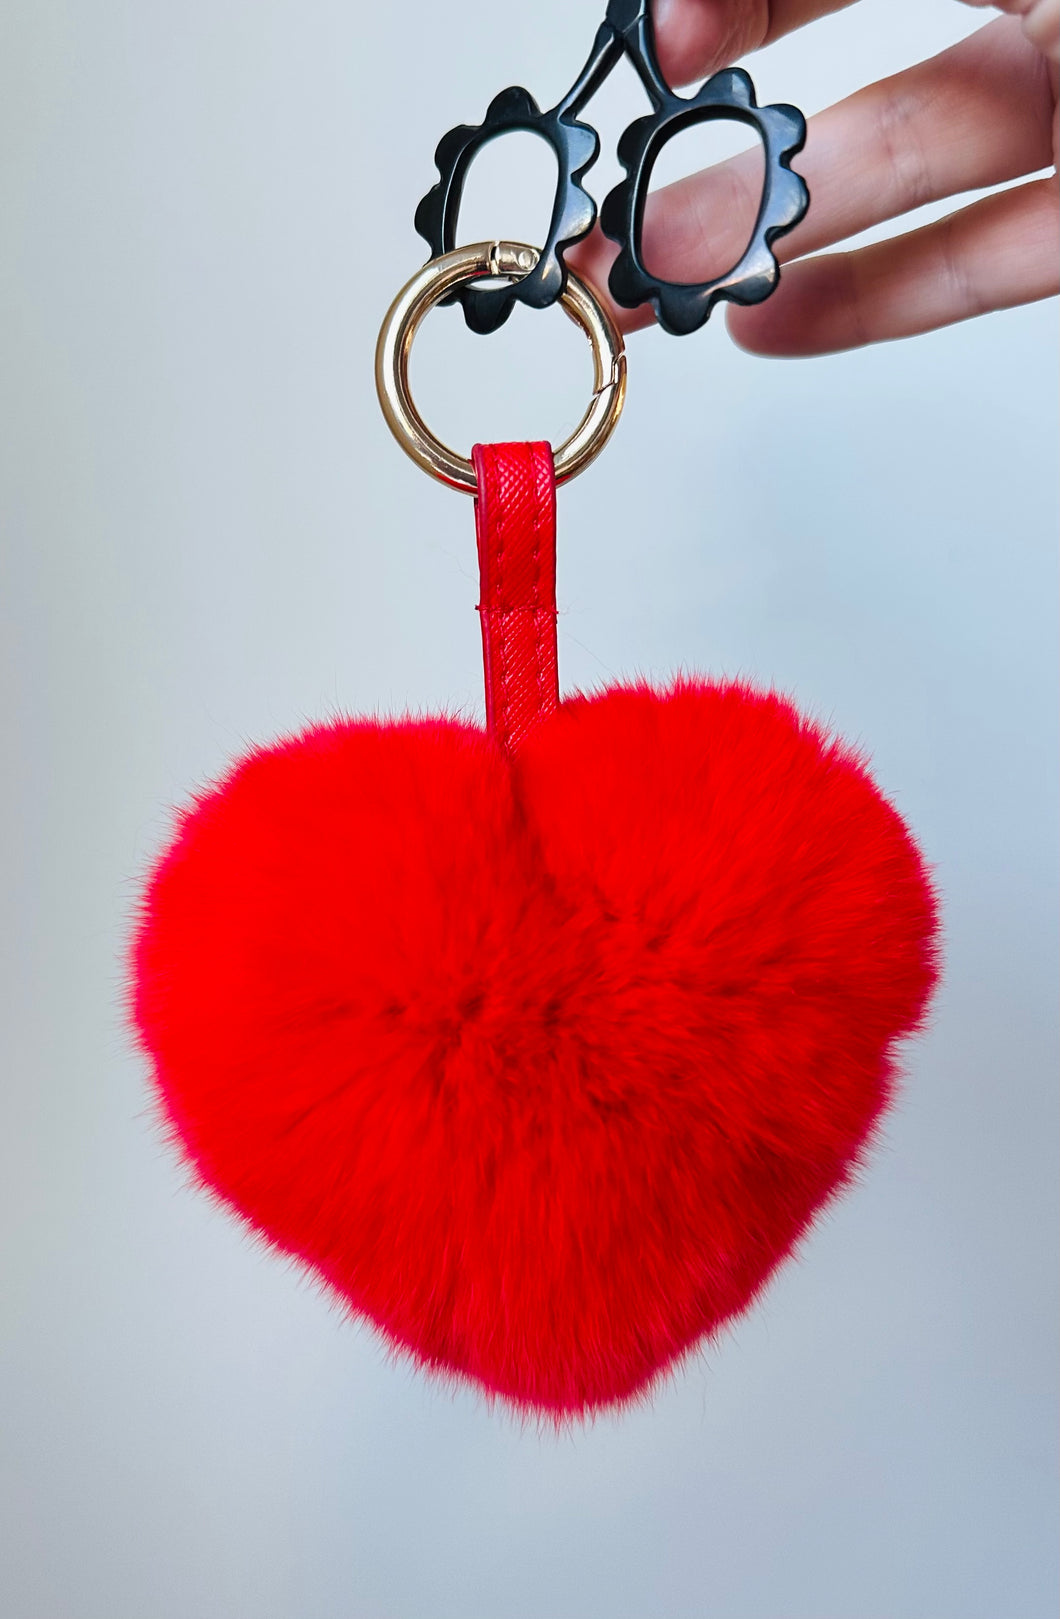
x=679, y=307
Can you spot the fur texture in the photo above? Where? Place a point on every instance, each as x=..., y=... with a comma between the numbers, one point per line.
x=541, y=1064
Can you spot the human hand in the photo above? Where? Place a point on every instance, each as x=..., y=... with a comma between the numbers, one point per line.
x=979, y=114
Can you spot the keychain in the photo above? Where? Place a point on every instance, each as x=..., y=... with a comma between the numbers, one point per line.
x=541, y=1044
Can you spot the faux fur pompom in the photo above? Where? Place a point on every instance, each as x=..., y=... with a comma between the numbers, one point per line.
x=544, y=1063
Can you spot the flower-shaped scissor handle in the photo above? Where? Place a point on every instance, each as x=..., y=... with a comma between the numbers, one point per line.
x=680, y=307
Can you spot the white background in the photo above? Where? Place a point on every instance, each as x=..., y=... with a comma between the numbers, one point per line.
x=208, y=537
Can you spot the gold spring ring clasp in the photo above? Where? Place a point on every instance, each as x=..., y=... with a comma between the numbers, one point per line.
x=427, y=288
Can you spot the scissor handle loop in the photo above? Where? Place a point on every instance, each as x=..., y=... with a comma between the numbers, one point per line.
x=682, y=307
x=575, y=146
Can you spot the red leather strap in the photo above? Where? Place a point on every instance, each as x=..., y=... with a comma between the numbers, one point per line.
x=515, y=520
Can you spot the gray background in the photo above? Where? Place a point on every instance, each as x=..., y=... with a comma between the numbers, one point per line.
x=209, y=537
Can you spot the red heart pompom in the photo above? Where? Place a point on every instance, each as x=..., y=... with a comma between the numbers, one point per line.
x=542, y=1063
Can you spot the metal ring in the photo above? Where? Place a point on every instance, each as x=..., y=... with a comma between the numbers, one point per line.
x=429, y=287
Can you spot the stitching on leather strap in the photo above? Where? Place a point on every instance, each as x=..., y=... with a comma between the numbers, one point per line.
x=515, y=520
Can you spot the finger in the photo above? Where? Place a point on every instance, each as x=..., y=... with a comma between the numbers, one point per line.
x=1040, y=19
x=693, y=37
x=997, y=253
x=976, y=115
